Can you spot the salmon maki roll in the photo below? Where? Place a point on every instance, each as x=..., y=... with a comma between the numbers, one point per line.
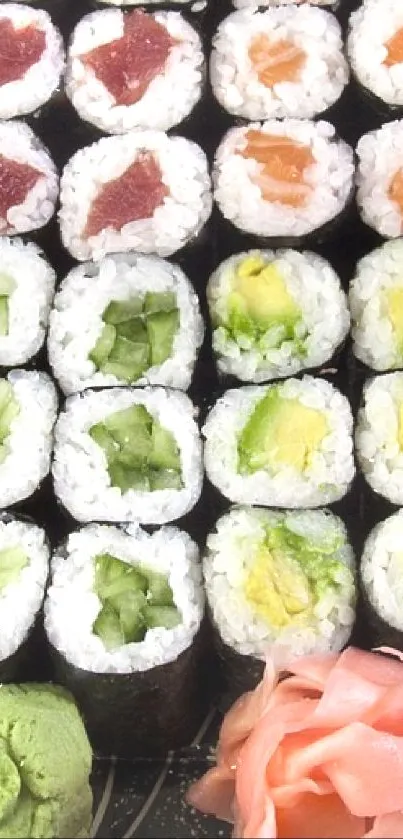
x=283, y=62
x=380, y=179
x=282, y=179
x=375, y=49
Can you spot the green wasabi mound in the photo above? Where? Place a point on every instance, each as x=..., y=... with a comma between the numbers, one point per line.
x=137, y=334
x=45, y=764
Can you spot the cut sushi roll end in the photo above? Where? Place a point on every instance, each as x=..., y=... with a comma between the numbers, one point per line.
x=379, y=435
x=381, y=573
x=375, y=49
x=380, y=179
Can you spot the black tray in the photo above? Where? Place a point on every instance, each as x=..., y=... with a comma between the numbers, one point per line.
x=144, y=798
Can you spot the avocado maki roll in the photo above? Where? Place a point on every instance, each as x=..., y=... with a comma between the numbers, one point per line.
x=128, y=455
x=24, y=562
x=379, y=435
x=28, y=405
x=27, y=284
x=376, y=304
x=275, y=313
x=124, y=320
x=381, y=573
x=132, y=658
x=279, y=584
x=282, y=445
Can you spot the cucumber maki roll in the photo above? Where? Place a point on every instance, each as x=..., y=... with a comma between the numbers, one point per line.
x=381, y=574
x=24, y=561
x=283, y=445
x=375, y=49
x=131, y=659
x=128, y=455
x=379, y=436
x=279, y=584
x=28, y=405
x=376, y=304
x=27, y=284
x=380, y=179
x=275, y=313
x=124, y=320
x=134, y=70
x=282, y=62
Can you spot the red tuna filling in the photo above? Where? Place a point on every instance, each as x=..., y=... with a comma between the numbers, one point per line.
x=135, y=195
x=16, y=180
x=20, y=49
x=127, y=65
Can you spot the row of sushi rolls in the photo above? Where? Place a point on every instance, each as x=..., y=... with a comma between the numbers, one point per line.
x=122, y=600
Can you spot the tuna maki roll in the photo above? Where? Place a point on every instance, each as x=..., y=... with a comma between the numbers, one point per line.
x=154, y=196
x=275, y=313
x=24, y=560
x=134, y=70
x=28, y=180
x=280, y=584
x=283, y=179
x=283, y=62
x=382, y=581
x=376, y=303
x=28, y=405
x=31, y=59
x=124, y=320
x=379, y=436
x=132, y=659
x=27, y=284
x=128, y=455
x=283, y=445
x=380, y=179
x=375, y=49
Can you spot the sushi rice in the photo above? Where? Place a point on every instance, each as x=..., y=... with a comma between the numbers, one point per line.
x=80, y=468
x=379, y=435
x=376, y=304
x=21, y=598
x=245, y=4
x=168, y=551
x=381, y=570
x=27, y=284
x=170, y=96
x=328, y=182
x=379, y=173
x=318, y=83
x=310, y=609
x=76, y=320
x=179, y=218
x=28, y=444
x=372, y=27
x=286, y=470
x=251, y=332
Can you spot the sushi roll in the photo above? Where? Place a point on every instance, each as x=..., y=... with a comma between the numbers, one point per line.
x=132, y=657
x=134, y=70
x=281, y=445
x=24, y=561
x=128, y=455
x=275, y=313
x=380, y=179
x=124, y=320
x=245, y=4
x=283, y=179
x=376, y=304
x=379, y=436
x=28, y=404
x=31, y=59
x=375, y=49
x=27, y=284
x=154, y=195
x=382, y=582
x=283, y=62
x=278, y=584
x=28, y=180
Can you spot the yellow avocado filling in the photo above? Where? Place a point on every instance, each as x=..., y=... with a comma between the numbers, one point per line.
x=277, y=588
x=394, y=306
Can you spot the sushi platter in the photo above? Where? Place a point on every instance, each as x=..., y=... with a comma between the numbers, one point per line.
x=201, y=391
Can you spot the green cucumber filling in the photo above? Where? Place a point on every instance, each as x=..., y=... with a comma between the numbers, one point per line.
x=9, y=410
x=12, y=561
x=280, y=433
x=259, y=312
x=7, y=286
x=141, y=454
x=290, y=575
x=134, y=600
x=137, y=334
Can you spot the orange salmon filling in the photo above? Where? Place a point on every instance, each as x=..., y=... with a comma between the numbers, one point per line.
x=395, y=191
x=395, y=49
x=283, y=164
x=281, y=61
